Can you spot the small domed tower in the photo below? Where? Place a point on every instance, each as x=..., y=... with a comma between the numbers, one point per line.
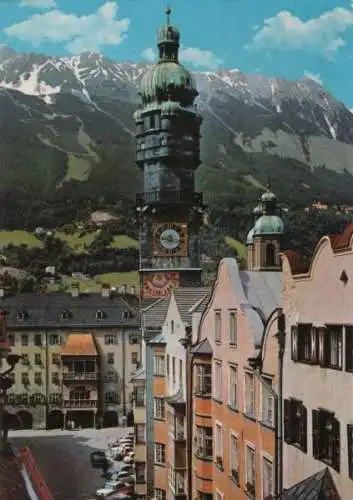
x=266, y=237
x=168, y=154
x=257, y=212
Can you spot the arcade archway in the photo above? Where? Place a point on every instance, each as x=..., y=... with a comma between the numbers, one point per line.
x=26, y=419
x=110, y=419
x=55, y=420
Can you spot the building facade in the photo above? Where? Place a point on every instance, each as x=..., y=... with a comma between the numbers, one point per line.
x=170, y=393
x=233, y=410
x=79, y=352
x=317, y=378
x=170, y=212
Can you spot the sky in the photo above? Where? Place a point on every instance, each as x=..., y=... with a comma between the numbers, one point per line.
x=285, y=38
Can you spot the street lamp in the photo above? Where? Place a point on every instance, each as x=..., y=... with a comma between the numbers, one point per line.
x=256, y=365
x=5, y=384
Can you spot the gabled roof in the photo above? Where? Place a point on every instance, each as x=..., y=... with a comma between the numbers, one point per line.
x=203, y=348
x=45, y=310
x=319, y=486
x=188, y=298
x=79, y=344
x=259, y=293
x=153, y=315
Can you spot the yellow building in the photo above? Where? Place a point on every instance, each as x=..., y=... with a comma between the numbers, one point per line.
x=79, y=353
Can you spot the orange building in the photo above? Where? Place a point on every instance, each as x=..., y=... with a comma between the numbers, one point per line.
x=234, y=364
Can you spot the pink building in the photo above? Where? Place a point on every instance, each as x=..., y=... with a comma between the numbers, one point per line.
x=318, y=365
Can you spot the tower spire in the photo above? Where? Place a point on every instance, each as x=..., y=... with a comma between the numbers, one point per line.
x=168, y=12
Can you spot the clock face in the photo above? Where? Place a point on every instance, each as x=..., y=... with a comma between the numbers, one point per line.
x=170, y=239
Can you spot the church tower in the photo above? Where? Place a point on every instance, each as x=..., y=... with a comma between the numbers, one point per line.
x=265, y=238
x=170, y=212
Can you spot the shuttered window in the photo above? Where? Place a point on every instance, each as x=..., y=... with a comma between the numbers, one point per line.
x=326, y=438
x=296, y=424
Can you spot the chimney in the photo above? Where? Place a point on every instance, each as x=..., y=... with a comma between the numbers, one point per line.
x=105, y=290
x=75, y=290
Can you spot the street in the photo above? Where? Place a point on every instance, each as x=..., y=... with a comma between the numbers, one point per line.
x=63, y=458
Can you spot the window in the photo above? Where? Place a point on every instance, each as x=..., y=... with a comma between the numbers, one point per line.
x=180, y=372
x=11, y=338
x=218, y=326
x=24, y=340
x=159, y=453
x=25, y=359
x=349, y=348
x=159, y=368
x=232, y=328
x=306, y=336
x=38, y=378
x=270, y=255
x=55, y=358
x=350, y=449
x=100, y=315
x=168, y=361
x=267, y=402
x=204, y=442
x=109, y=339
x=38, y=340
x=326, y=438
x=140, y=433
x=204, y=496
x=134, y=338
x=249, y=394
x=267, y=478
x=160, y=494
x=333, y=347
x=38, y=359
x=65, y=314
x=232, y=387
x=295, y=423
x=234, y=458
x=55, y=378
x=140, y=472
x=219, y=445
x=250, y=470
x=172, y=326
x=110, y=358
x=25, y=378
x=159, y=408
x=111, y=397
x=173, y=370
x=203, y=380
x=54, y=339
x=134, y=358
x=218, y=381
x=140, y=396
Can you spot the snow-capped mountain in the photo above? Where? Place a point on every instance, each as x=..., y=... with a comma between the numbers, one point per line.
x=67, y=107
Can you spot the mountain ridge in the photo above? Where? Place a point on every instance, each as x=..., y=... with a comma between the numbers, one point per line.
x=69, y=119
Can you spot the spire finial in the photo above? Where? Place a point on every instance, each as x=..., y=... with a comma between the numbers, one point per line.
x=168, y=11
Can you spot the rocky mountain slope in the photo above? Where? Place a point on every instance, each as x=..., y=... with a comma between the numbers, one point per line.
x=65, y=119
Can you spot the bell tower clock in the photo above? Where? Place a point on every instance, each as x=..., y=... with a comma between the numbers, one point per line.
x=170, y=212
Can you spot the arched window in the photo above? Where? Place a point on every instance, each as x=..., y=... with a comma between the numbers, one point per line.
x=270, y=255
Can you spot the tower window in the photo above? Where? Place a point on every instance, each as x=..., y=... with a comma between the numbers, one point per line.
x=152, y=121
x=270, y=255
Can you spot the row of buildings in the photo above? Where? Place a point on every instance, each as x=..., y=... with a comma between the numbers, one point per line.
x=78, y=351
x=244, y=388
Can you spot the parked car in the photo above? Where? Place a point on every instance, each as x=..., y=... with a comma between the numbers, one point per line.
x=113, y=471
x=122, y=475
x=128, y=459
x=109, y=488
x=99, y=460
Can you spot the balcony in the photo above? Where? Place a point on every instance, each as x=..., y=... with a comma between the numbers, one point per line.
x=80, y=403
x=74, y=376
x=173, y=197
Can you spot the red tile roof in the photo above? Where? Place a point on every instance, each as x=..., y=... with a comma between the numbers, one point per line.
x=79, y=344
